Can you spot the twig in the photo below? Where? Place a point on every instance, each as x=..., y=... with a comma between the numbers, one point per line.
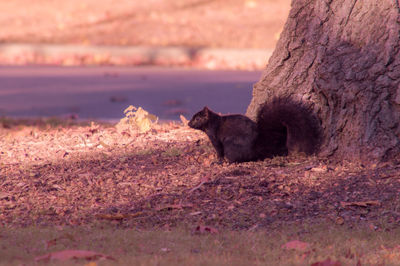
x=197, y=187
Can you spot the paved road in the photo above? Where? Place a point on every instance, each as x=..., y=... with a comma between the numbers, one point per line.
x=104, y=92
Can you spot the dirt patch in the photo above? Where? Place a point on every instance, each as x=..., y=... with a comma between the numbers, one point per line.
x=167, y=177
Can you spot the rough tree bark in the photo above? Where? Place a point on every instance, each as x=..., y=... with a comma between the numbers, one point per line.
x=343, y=58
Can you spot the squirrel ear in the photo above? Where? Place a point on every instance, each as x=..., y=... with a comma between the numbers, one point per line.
x=206, y=112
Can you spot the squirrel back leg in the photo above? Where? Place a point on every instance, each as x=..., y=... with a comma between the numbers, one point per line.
x=286, y=124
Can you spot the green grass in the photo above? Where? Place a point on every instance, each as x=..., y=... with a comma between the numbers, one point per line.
x=8, y=122
x=172, y=152
x=183, y=247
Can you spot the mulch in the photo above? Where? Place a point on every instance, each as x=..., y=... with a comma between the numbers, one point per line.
x=95, y=174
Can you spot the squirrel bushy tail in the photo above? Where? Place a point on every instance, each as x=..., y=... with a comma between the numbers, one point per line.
x=286, y=126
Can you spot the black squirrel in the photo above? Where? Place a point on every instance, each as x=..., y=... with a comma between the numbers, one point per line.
x=282, y=126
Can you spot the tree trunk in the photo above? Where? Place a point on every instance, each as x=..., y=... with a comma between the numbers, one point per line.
x=341, y=57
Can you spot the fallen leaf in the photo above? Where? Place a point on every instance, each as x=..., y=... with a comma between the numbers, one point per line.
x=372, y=227
x=4, y=195
x=361, y=203
x=73, y=254
x=296, y=245
x=165, y=249
x=50, y=243
x=207, y=161
x=339, y=220
x=102, y=143
x=319, y=169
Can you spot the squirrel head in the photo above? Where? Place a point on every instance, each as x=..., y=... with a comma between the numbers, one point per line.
x=200, y=119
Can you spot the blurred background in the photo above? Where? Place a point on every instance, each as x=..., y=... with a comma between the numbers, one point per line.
x=209, y=46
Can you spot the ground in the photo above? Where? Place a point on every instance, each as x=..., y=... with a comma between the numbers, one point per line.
x=109, y=184
x=167, y=177
x=189, y=23
x=234, y=34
